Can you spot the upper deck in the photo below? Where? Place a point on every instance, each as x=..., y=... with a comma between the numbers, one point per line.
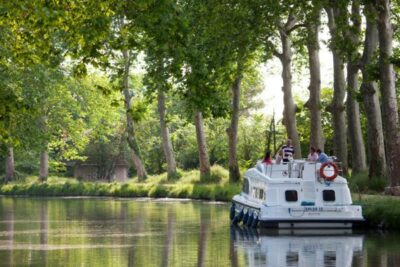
x=300, y=169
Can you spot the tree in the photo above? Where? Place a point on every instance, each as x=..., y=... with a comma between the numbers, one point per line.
x=388, y=90
x=352, y=34
x=333, y=10
x=285, y=56
x=238, y=34
x=376, y=147
x=314, y=103
x=163, y=39
x=166, y=139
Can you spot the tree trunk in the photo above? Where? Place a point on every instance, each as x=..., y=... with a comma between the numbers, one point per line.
x=166, y=140
x=289, y=110
x=388, y=91
x=337, y=106
x=376, y=148
x=358, y=156
x=314, y=102
x=44, y=166
x=10, y=167
x=137, y=161
x=202, y=147
x=234, y=173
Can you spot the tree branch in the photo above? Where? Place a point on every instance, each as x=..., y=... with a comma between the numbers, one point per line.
x=296, y=27
x=291, y=22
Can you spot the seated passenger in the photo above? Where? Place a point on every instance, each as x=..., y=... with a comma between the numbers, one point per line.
x=322, y=157
x=278, y=157
x=313, y=155
x=267, y=159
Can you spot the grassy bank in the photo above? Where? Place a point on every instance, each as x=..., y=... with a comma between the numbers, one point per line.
x=188, y=186
x=379, y=211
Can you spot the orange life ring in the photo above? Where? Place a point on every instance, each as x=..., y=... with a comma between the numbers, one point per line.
x=335, y=171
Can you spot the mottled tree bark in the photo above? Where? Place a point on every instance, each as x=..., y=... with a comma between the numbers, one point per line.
x=314, y=101
x=289, y=110
x=337, y=106
x=166, y=139
x=137, y=161
x=358, y=156
x=10, y=167
x=388, y=91
x=44, y=165
x=376, y=148
x=202, y=147
x=232, y=131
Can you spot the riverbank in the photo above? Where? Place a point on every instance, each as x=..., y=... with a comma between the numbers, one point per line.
x=187, y=186
x=380, y=211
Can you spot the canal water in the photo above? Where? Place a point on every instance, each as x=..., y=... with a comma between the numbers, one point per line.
x=144, y=232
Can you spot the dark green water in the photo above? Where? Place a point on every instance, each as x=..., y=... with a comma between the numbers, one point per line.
x=122, y=232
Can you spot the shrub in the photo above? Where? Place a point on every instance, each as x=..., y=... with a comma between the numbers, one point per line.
x=362, y=183
x=158, y=191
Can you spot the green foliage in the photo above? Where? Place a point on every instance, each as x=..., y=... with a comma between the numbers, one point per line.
x=363, y=184
x=156, y=186
x=303, y=121
x=381, y=211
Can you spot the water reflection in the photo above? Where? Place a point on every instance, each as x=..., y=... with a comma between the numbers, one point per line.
x=126, y=232
x=298, y=248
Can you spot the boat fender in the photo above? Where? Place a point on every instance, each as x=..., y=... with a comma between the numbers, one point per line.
x=328, y=177
x=255, y=222
x=246, y=217
x=250, y=220
x=232, y=212
x=240, y=215
x=237, y=218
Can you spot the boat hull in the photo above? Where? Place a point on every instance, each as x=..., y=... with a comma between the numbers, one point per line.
x=302, y=217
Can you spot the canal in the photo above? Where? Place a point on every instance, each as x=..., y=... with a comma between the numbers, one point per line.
x=148, y=232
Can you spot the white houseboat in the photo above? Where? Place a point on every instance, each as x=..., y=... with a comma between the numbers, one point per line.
x=299, y=194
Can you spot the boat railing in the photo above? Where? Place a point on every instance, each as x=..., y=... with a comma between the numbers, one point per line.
x=294, y=169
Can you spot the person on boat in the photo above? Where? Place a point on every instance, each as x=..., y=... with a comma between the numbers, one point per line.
x=322, y=157
x=288, y=151
x=312, y=156
x=278, y=156
x=267, y=158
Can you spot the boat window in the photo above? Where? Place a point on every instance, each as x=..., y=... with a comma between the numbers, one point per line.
x=261, y=194
x=245, y=188
x=291, y=195
x=328, y=195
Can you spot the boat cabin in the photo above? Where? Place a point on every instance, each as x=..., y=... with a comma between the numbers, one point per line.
x=297, y=183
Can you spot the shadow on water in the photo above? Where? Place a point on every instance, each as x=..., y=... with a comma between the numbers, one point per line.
x=298, y=247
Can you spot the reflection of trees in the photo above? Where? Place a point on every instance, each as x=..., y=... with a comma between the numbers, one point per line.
x=204, y=225
x=44, y=229
x=8, y=212
x=138, y=223
x=166, y=255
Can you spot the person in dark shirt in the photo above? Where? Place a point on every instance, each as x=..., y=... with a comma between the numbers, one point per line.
x=288, y=151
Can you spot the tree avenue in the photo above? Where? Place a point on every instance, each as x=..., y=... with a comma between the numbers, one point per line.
x=177, y=85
